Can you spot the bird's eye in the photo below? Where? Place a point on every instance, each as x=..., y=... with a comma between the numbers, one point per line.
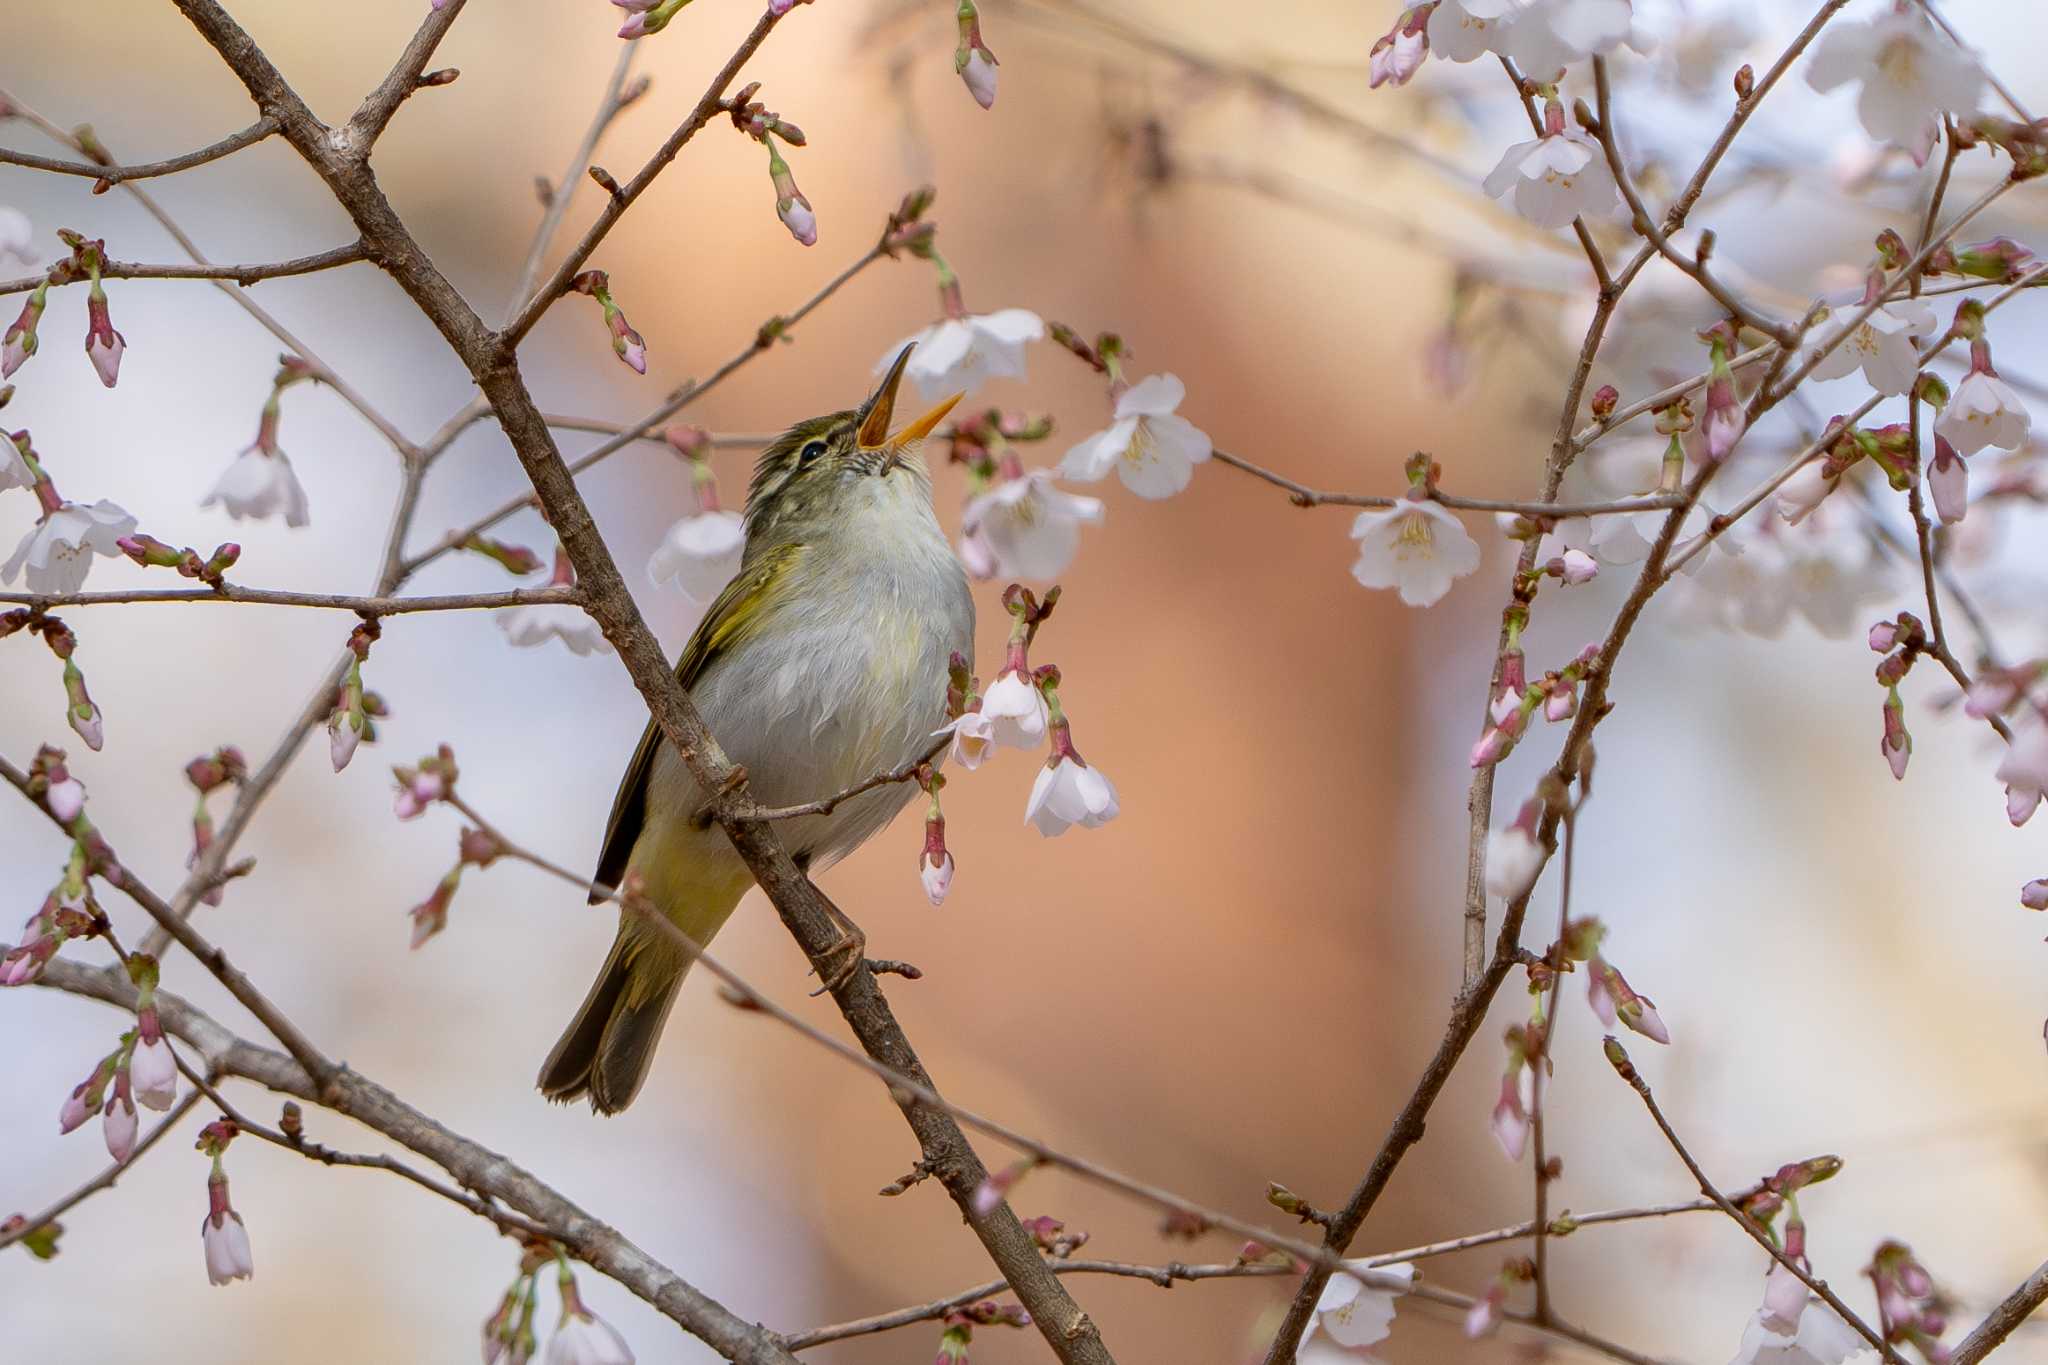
x=811, y=451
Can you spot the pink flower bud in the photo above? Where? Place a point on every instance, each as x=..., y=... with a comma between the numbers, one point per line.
x=1561, y=703
x=121, y=1123
x=790, y=204
x=103, y=345
x=66, y=799
x=937, y=876
x=153, y=1071
x=1484, y=1316
x=2034, y=895
x=1883, y=636
x=1948, y=480
x=221, y=1234
x=1576, y=567
x=77, y=1109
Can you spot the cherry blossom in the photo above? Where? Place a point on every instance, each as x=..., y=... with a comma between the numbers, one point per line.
x=974, y=738
x=959, y=353
x=1152, y=448
x=1357, y=1305
x=532, y=625
x=1463, y=30
x=2024, y=769
x=222, y=1235
x=1983, y=410
x=1068, y=791
x=972, y=61
x=936, y=874
x=583, y=1338
x=259, y=484
x=1398, y=53
x=790, y=205
x=1909, y=72
x=57, y=552
x=1416, y=546
x=1948, y=481
x=1554, y=178
x=1885, y=346
x=1013, y=711
x=1513, y=856
x=1032, y=527
x=700, y=553
x=1792, y=1328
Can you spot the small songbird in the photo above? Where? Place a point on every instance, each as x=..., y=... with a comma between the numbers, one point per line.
x=823, y=663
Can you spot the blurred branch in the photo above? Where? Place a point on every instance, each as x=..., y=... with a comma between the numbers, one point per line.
x=106, y=1178
x=618, y=202
x=240, y=274
x=109, y=175
x=362, y=606
x=2000, y=1323
x=563, y=191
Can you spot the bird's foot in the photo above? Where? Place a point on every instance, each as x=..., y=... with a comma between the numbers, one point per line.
x=837, y=964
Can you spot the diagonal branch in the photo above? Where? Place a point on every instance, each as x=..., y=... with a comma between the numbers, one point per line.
x=377, y=605
x=105, y=1179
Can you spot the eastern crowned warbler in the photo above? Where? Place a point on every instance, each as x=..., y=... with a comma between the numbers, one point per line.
x=821, y=664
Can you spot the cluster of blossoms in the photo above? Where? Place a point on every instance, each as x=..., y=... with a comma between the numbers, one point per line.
x=103, y=345
x=1021, y=709
x=140, y=1070
x=418, y=786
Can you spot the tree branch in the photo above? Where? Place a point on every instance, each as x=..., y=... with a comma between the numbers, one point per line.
x=109, y=175
x=379, y=605
x=105, y=1179
x=240, y=274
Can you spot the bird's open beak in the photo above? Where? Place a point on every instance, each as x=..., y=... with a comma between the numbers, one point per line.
x=874, y=426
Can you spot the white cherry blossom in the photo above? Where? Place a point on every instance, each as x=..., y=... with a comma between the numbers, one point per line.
x=1554, y=178
x=1415, y=546
x=259, y=485
x=1884, y=345
x=956, y=354
x=1909, y=71
x=1792, y=1328
x=1069, y=792
x=1984, y=411
x=534, y=624
x=700, y=553
x=1152, y=448
x=1463, y=30
x=1357, y=1305
x=1032, y=527
x=58, y=550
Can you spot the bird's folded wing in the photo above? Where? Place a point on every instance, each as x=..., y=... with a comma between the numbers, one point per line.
x=738, y=614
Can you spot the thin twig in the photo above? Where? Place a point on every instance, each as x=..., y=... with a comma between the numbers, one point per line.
x=1303, y=496
x=563, y=191
x=240, y=274
x=362, y=606
x=115, y=175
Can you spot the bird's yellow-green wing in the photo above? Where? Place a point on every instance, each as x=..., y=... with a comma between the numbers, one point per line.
x=736, y=616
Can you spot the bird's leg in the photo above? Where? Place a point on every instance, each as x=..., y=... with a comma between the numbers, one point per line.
x=838, y=963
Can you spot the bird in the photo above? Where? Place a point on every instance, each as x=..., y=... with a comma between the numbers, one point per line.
x=823, y=663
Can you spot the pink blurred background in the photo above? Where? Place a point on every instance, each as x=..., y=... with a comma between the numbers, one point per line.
x=1235, y=982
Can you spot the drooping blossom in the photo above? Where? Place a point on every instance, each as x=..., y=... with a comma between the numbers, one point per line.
x=1983, y=410
x=1416, y=546
x=1556, y=177
x=222, y=1235
x=1357, y=1305
x=974, y=737
x=535, y=623
x=1514, y=858
x=1793, y=1328
x=1031, y=526
x=2024, y=769
x=701, y=553
x=790, y=204
x=972, y=61
x=1608, y=992
x=1068, y=791
x=962, y=351
x=1152, y=448
x=581, y=1337
x=1398, y=53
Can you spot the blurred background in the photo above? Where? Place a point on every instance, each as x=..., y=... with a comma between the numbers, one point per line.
x=1238, y=980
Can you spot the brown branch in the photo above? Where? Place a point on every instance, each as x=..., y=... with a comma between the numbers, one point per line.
x=367, y=124
x=115, y=175
x=616, y=204
x=105, y=1179
x=1785, y=334
x=363, y=606
x=1988, y=1335
x=1601, y=274
x=473, y=1166
x=826, y=805
x=240, y=274
x=648, y=427
x=1923, y=536
x=492, y=361
x=1627, y=1071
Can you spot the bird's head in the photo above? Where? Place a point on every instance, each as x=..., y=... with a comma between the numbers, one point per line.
x=814, y=469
